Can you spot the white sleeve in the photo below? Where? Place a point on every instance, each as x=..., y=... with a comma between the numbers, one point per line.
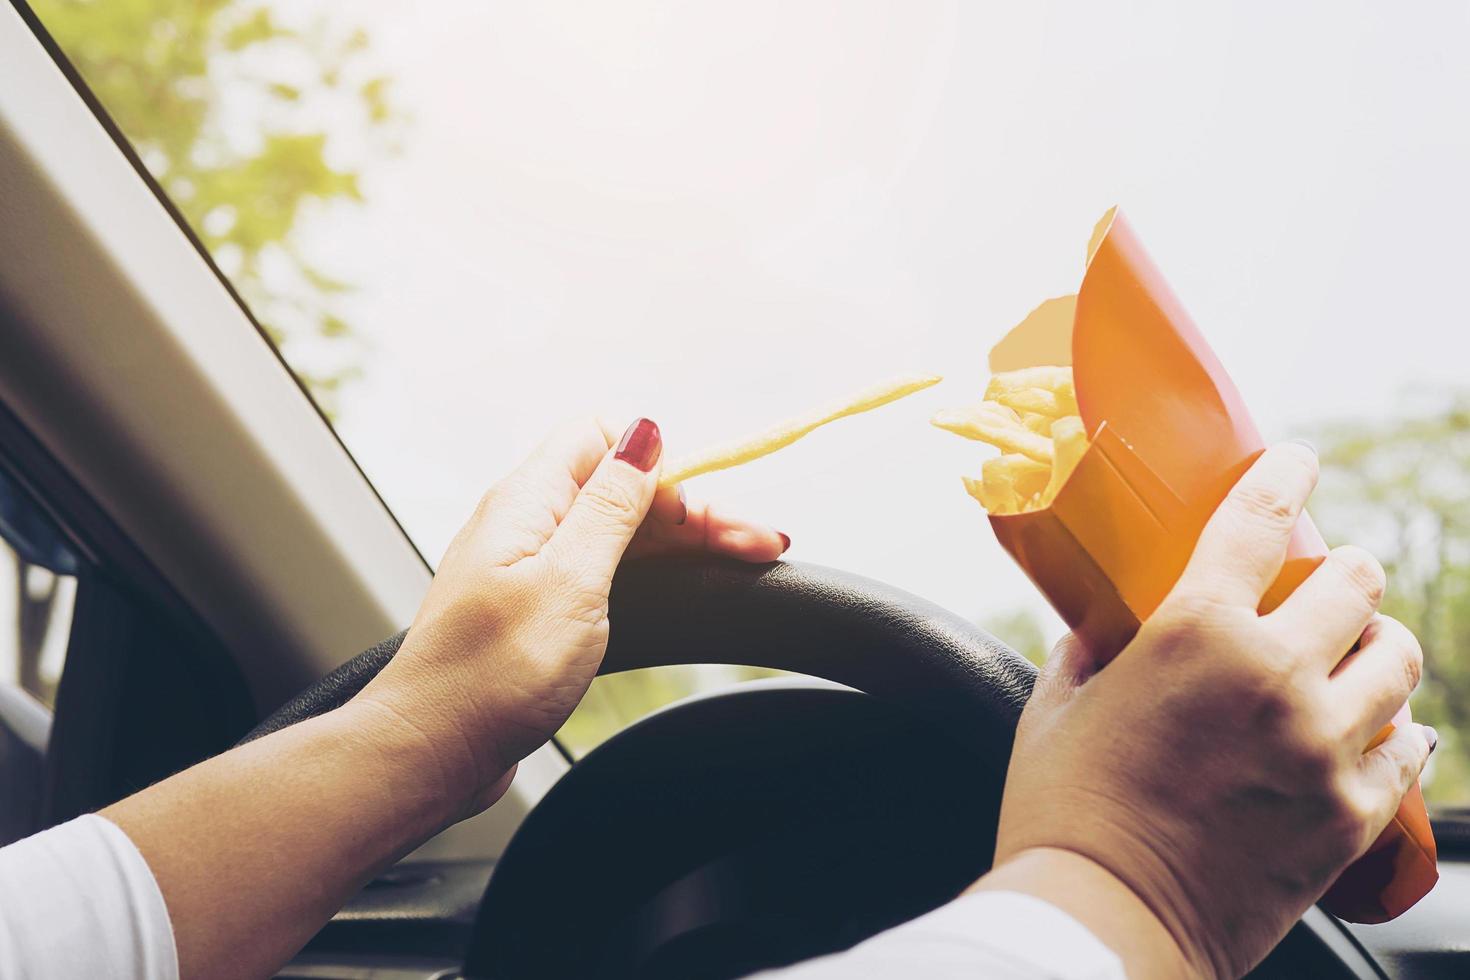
x=1003, y=935
x=78, y=900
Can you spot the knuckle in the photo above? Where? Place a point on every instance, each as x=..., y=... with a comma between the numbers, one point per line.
x=1341, y=729
x=485, y=506
x=1264, y=503
x=1406, y=768
x=1363, y=572
x=609, y=499
x=1412, y=658
x=1185, y=615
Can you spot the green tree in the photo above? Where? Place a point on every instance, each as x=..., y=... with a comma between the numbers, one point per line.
x=1021, y=630
x=229, y=109
x=1401, y=487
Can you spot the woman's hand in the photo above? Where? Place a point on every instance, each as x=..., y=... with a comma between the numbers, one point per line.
x=1216, y=768
x=515, y=624
x=257, y=847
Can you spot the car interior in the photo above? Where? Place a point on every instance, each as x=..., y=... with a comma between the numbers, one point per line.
x=228, y=569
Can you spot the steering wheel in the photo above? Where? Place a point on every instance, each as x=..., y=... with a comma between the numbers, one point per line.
x=761, y=805
x=781, y=819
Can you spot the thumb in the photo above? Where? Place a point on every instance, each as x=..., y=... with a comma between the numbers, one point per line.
x=610, y=506
x=1067, y=668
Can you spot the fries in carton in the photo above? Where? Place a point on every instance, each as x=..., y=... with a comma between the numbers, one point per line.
x=1109, y=472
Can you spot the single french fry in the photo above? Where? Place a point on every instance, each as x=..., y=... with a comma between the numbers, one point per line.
x=1003, y=412
x=995, y=500
x=987, y=425
x=1066, y=393
x=1039, y=424
x=1000, y=487
x=1030, y=415
x=1026, y=477
x=783, y=434
x=1035, y=401
x=1069, y=441
x=1031, y=481
x=1048, y=378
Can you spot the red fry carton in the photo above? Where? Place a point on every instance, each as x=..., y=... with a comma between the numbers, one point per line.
x=1169, y=437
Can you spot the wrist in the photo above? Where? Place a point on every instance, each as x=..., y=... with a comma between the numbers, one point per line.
x=429, y=761
x=1102, y=902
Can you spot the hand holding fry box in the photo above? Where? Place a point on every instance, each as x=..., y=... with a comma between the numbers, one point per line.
x=1120, y=433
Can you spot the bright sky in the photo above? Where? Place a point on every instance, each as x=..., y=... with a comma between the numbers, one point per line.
x=716, y=215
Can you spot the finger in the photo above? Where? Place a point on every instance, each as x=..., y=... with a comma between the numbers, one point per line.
x=610, y=507
x=1069, y=665
x=1390, y=770
x=1243, y=546
x=1377, y=678
x=1328, y=612
x=707, y=531
x=519, y=514
x=670, y=507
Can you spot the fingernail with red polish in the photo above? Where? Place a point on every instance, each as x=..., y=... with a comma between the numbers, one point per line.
x=640, y=445
x=683, y=506
x=1432, y=737
x=785, y=542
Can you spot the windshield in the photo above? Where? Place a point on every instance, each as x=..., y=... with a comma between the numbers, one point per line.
x=462, y=228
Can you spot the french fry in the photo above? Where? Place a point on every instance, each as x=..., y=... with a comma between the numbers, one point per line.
x=987, y=425
x=1009, y=484
x=1021, y=476
x=1039, y=424
x=783, y=434
x=1069, y=442
x=1031, y=416
x=1044, y=390
x=1032, y=401
x=1048, y=378
x=1066, y=393
x=1003, y=412
x=994, y=499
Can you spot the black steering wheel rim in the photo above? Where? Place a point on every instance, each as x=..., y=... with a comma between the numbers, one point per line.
x=908, y=653
x=825, y=623
x=793, y=616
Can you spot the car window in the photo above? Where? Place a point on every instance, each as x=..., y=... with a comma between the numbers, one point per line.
x=37, y=593
x=462, y=228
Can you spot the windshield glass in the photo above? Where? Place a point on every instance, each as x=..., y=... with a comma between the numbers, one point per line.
x=462, y=228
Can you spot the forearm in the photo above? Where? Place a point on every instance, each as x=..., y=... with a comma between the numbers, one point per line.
x=255, y=849
x=1096, y=898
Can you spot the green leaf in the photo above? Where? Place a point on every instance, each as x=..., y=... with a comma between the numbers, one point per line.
x=259, y=27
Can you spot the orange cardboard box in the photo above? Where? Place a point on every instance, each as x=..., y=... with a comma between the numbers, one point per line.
x=1169, y=437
